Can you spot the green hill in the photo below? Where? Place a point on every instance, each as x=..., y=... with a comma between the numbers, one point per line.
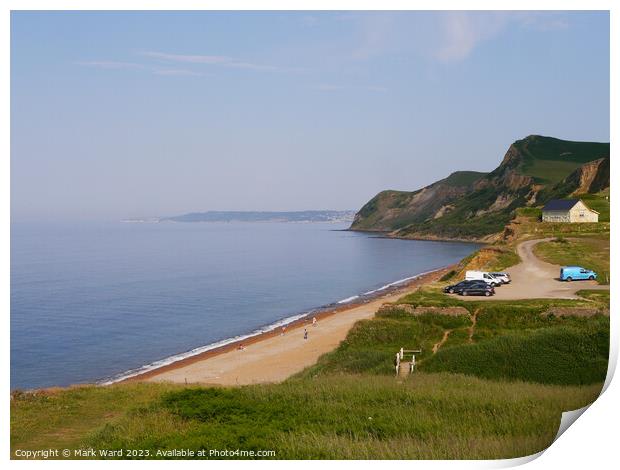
x=471, y=205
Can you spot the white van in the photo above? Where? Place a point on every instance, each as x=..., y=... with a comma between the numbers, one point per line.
x=482, y=276
x=504, y=277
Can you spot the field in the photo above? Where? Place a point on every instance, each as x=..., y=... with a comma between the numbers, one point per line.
x=591, y=253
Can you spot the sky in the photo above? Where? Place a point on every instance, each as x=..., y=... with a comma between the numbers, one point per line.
x=142, y=114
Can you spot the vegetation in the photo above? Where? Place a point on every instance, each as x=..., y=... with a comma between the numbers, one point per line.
x=449, y=275
x=501, y=346
x=550, y=160
x=591, y=253
x=598, y=202
x=434, y=416
x=561, y=355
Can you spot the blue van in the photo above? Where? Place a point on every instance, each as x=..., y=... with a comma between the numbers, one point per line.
x=576, y=273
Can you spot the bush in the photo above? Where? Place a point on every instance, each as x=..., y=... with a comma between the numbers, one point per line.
x=559, y=355
x=449, y=275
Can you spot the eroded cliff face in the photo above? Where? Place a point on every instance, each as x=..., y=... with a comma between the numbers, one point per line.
x=479, y=207
x=391, y=209
x=591, y=177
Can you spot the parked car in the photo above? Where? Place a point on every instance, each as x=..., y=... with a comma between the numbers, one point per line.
x=482, y=276
x=576, y=273
x=480, y=288
x=504, y=277
x=459, y=287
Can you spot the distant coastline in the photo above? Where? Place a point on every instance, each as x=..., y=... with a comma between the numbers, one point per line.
x=252, y=216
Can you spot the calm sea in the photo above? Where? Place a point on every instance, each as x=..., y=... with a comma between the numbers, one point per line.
x=95, y=301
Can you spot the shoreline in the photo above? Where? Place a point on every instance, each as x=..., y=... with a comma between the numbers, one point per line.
x=387, y=293
x=425, y=238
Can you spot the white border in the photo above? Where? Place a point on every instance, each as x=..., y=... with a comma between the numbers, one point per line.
x=591, y=442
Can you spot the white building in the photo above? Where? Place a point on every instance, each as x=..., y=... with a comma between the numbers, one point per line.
x=568, y=210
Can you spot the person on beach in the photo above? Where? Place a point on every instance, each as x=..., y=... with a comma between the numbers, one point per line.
x=305, y=333
x=313, y=321
x=283, y=331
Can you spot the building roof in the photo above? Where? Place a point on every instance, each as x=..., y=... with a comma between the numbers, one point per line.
x=560, y=204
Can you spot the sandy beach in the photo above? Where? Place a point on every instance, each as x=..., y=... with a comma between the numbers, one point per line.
x=273, y=357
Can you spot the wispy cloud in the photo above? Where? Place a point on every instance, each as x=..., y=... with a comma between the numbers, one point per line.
x=218, y=60
x=330, y=87
x=542, y=21
x=177, y=72
x=327, y=87
x=376, y=34
x=448, y=36
x=110, y=64
x=463, y=31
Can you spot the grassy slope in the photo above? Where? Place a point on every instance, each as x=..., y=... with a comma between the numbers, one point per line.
x=433, y=416
x=549, y=160
x=511, y=341
x=591, y=253
x=598, y=202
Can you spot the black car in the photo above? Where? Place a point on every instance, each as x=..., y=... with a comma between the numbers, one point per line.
x=478, y=289
x=473, y=287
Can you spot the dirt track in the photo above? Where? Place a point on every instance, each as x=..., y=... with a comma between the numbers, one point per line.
x=533, y=278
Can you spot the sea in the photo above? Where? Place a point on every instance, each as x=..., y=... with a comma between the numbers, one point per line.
x=96, y=302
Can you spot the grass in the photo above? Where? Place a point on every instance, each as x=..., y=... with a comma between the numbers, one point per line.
x=61, y=419
x=591, y=253
x=599, y=296
x=434, y=416
x=549, y=171
x=599, y=203
x=532, y=212
x=560, y=355
x=512, y=340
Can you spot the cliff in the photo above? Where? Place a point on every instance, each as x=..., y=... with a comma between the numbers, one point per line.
x=475, y=206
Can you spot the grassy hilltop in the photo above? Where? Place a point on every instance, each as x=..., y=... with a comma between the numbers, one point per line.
x=470, y=205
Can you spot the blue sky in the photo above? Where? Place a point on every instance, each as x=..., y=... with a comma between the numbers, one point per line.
x=125, y=114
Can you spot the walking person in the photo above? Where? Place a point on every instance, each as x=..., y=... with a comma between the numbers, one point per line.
x=305, y=333
x=313, y=321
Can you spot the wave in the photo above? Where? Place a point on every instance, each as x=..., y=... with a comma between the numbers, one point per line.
x=272, y=326
x=199, y=350
x=398, y=283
